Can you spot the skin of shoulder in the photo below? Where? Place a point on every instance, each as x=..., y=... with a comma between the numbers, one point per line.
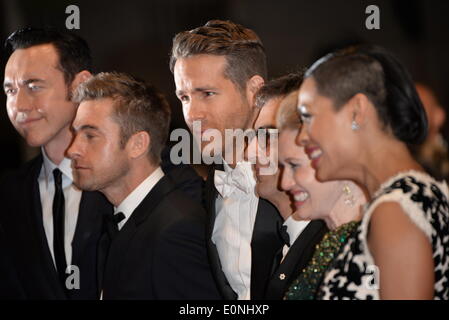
x=403, y=254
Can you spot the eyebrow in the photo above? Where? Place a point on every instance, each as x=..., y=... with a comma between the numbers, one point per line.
x=200, y=89
x=8, y=84
x=86, y=127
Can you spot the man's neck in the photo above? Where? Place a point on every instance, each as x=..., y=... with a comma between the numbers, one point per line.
x=56, y=148
x=123, y=187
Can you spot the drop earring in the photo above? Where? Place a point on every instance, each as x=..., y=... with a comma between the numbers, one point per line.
x=349, y=198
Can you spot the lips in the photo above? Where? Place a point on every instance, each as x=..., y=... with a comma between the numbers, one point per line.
x=80, y=167
x=300, y=197
x=28, y=121
x=314, y=155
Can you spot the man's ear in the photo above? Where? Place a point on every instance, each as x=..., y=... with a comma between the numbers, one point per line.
x=252, y=86
x=138, y=144
x=80, y=77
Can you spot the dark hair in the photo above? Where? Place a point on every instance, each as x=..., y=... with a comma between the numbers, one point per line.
x=376, y=73
x=73, y=51
x=278, y=88
x=244, y=52
x=138, y=107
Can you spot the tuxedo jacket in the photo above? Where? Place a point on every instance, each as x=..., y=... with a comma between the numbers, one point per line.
x=265, y=243
x=160, y=253
x=24, y=234
x=10, y=287
x=297, y=258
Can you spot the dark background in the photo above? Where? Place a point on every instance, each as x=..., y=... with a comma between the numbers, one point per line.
x=135, y=36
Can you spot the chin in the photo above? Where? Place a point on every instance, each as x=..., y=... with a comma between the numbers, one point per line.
x=34, y=141
x=322, y=176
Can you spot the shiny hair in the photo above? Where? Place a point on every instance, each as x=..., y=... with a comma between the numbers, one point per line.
x=278, y=88
x=73, y=51
x=138, y=107
x=377, y=74
x=242, y=48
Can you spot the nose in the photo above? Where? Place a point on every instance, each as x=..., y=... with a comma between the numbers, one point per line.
x=302, y=138
x=287, y=181
x=74, y=151
x=194, y=111
x=21, y=102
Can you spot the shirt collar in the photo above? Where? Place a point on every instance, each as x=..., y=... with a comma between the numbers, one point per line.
x=48, y=166
x=295, y=227
x=131, y=202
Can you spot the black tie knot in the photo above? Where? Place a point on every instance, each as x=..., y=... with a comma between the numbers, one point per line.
x=57, y=175
x=284, y=235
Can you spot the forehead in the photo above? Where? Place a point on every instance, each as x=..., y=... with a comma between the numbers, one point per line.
x=94, y=112
x=33, y=61
x=199, y=70
x=308, y=90
x=288, y=147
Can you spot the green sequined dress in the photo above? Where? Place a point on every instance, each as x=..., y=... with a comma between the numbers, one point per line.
x=306, y=285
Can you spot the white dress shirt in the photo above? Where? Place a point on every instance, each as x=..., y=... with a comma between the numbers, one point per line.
x=233, y=229
x=294, y=229
x=131, y=202
x=72, y=199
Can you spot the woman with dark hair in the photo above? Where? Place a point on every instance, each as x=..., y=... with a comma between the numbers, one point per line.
x=361, y=113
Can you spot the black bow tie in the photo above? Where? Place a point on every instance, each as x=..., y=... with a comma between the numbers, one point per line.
x=283, y=234
x=112, y=223
x=118, y=217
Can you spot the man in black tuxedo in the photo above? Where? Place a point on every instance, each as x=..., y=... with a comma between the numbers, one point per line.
x=44, y=67
x=52, y=228
x=156, y=238
x=300, y=236
x=217, y=69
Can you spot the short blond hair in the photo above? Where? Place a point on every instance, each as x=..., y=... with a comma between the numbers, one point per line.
x=138, y=107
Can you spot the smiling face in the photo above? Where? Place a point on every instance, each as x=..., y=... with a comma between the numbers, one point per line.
x=312, y=199
x=328, y=139
x=98, y=160
x=37, y=94
x=209, y=97
x=261, y=153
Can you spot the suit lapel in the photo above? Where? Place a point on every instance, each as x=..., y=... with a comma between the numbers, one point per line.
x=296, y=259
x=93, y=207
x=265, y=243
x=120, y=244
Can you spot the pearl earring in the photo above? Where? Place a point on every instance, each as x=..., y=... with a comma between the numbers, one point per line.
x=349, y=198
x=354, y=126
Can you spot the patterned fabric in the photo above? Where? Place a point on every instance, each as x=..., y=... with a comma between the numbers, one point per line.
x=307, y=284
x=425, y=201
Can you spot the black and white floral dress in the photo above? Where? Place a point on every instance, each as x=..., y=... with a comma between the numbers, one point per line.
x=354, y=275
